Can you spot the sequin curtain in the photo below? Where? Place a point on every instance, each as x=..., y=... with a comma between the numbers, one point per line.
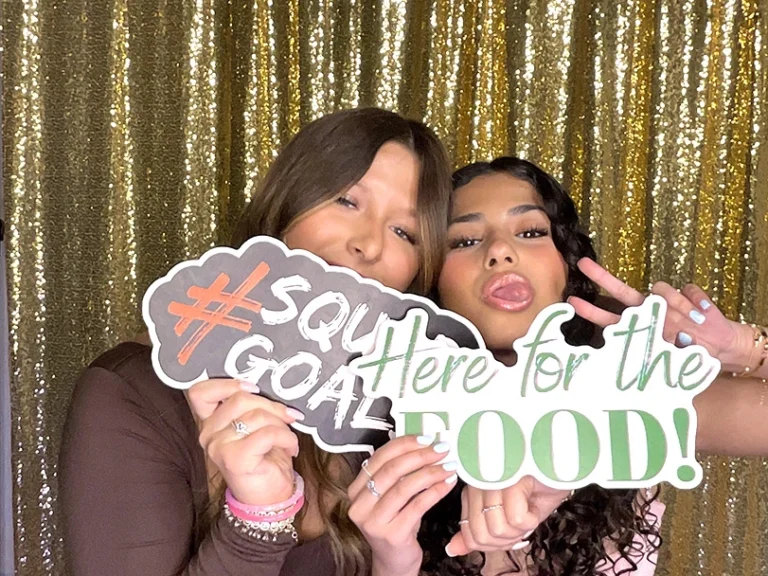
x=135, y=133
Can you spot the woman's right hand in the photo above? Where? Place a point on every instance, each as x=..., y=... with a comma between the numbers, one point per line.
x=397, y=485
x=257, y=466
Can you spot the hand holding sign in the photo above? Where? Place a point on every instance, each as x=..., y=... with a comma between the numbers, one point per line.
x=510, y=516
x=256, y=461
x=405, y=475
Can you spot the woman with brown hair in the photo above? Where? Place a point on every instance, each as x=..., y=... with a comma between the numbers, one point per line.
x=144, y=467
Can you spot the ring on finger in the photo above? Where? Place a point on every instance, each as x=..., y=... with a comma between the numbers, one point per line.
x=371, y=485
x=241, y=429
x=494, y=507
x=465, y=521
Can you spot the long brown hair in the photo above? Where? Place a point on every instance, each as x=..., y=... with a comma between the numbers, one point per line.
x=321, y=162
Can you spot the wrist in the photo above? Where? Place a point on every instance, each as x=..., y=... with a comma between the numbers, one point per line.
x=738, y=356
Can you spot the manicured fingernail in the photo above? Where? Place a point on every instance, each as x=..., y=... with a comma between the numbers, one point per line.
x=705, y=304
x=249, y=387
x=450, y=466
x=697, y=317
x=297, y=452
x=425, y=440
x=391, y=434
x=448, y=551
x=525, y=536
x=295, y=414
x=442, y=447
x=685, y=340
x=521, y=545
x=451, y=479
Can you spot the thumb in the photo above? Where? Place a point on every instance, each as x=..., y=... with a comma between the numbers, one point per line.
x=457, y=546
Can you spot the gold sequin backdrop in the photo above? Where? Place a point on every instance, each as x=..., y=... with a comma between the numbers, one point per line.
x=134, y=133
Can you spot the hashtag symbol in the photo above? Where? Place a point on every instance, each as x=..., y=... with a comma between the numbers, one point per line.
x=227, y=302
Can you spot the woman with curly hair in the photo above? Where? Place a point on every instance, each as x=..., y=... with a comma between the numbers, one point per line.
x=514, y=248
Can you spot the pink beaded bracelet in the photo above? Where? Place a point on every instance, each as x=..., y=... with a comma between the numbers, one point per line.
x=287, y=508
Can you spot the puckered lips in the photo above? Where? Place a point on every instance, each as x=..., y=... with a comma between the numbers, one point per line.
x=508, y=291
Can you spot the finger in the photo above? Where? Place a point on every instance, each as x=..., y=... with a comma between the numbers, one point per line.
x=699, y=298
x=413, y=513
x=205, y=396
x=520, y=512
x=593, y=313
x=480, y=534
x=396, y=498
x=418, y=452
x=457, y=546
x=610, y=283
x=252, y=421
x=678, y=301
x=679, y=329
x=244, y=456
x=239, y=404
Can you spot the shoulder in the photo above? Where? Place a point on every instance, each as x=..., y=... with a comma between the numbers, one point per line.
x=120, y=389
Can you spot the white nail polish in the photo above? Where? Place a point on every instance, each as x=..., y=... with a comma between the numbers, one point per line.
x=451, y=466
x=425, y=440
x=521, y=545
x=685, y=339
x=448, y=552
x=442, y=447
x=705, y=304
x=697, y=317
x=451, y=479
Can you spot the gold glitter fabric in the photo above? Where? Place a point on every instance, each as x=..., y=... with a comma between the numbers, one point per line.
x=135, y=132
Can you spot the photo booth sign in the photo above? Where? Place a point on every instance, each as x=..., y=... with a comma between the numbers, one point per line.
x=358, y=358
x=289, y=322
x=620, y=416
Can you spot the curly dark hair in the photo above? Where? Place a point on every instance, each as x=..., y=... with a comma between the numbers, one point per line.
x=572, y=540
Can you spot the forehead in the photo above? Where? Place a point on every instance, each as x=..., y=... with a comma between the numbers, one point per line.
x=491, y=192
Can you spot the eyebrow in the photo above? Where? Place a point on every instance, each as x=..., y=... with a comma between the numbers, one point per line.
x=515, y=211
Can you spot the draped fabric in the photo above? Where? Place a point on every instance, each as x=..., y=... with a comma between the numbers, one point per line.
x=135, y=132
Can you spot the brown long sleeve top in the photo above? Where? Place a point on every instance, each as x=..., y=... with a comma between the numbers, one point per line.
x=133, y=485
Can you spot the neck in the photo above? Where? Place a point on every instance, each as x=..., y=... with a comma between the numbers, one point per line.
x=506, y=356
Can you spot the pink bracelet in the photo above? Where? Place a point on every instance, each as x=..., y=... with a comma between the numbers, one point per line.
x=271, y=517
x=270, y=510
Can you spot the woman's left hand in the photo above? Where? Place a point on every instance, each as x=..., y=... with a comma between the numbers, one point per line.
x=502, y=519
x=692, y=318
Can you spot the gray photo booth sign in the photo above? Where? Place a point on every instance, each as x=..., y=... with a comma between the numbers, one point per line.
x=289, y=322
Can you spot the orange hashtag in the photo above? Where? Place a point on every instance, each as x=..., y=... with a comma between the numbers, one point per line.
x=221, y=315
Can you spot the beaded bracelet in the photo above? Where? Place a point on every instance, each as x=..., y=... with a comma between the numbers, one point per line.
x=761, y=344
x=263, y=522
x=265, y=531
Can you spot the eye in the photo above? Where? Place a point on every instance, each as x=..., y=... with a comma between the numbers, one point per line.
x=346, y=202
x=534, y=233
x=405, y=235
x=462, y=242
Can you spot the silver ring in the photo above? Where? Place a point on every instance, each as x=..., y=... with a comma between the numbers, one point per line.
x=364, y=466
x=463, y=522
x=494, y=507
x=240, y=428
x=372, y=488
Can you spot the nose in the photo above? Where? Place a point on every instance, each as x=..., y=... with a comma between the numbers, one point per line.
x=499, y=251
x=366, y=242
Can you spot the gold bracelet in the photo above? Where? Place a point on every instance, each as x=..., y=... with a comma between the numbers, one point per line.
x=761, y=345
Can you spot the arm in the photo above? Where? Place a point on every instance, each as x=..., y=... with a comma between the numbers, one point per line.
x=129, y=493
x=733, y=417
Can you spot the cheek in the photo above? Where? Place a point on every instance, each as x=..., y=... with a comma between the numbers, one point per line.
x=402, y=265
x=455, y=281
